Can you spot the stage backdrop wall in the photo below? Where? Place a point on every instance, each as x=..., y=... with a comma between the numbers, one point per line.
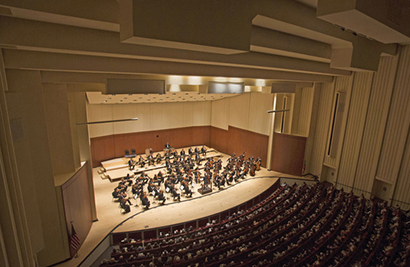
x=238, y=140
x=288, y=153
x=114, y=146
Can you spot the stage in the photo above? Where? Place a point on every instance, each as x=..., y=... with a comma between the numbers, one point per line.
x=112, y=219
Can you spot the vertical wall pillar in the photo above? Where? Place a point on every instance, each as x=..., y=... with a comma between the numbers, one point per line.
x=271, y=133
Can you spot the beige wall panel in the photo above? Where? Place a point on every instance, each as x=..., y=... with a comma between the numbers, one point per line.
x=34, y=164
x=398, y=121
x=156, y=116
x=201, y=113
x=143, y=123
x=310, y=140
x=259, y=119
x=188, y=114
x=59, y=128
x=73, y=128
x=122, y=112
x=401, y=195
x=302, y=110
x=100, y=113
x=342, y=84
x=278, y=115
x=239, y=111
x=296, y=111
x=220, y=113
x=322, y=128
x=354, y=128
x=305, y=111
x=375, y=124
x=172, y=115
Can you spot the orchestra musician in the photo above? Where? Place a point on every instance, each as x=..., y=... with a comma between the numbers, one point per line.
x=131, y=164
x=258, y=163
x=174, y=193
x=252, y=171
x=161, y=196
x=158, y=158
x=203, y=151
x=187, y=190
x=150, y=159
x=144, y=200
x=141, y=162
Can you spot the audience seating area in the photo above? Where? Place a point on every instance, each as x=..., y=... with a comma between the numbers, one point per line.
x=296, y=225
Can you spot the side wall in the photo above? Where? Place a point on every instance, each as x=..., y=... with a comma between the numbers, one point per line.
x=373, y=155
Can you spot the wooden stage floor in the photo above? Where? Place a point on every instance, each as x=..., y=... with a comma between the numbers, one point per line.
x=111, y=218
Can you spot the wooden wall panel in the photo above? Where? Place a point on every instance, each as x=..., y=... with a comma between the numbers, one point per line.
x=219, y=139
x=114, y=146
x=288, y=153
x=77, y=203
x=253, y=144
x=201, y=135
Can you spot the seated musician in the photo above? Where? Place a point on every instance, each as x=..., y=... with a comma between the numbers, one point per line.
x=116, y=193
x=258, y=163
x=128, y=179
x=158, y=158
x=187, y=190
x=168, y=184
x=167, y=146
x=182, y=153
x=161, y=196
x=141, y=162
x=174, y=193
x=219, y=181
x=150, y=186
x=124, y=198
x=190, y=151
x=157, y=180
x=131, y=164
x=197, y=159
x=160, y=176
x=122, y=186
x=203, y=150
x=230, y=178
x=150, y=159
x=125, y=206
x=144, y=200
x=196, y=150
x=136, y=189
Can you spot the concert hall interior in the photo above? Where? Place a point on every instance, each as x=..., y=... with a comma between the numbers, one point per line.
x=311, y=91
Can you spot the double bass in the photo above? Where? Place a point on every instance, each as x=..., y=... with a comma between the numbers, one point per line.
x=252, y=171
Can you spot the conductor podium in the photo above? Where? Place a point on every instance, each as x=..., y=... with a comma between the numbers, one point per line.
x=205, y=189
